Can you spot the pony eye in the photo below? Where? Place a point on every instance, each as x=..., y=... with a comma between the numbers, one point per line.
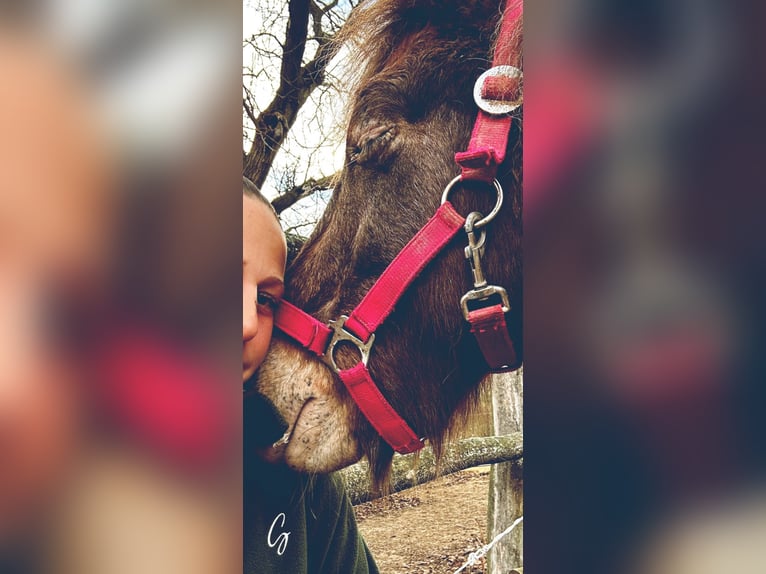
x=375, y=147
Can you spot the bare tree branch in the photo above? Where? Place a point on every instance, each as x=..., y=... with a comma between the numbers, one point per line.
x=298, y=192
x=248, y=106
x=297, y=80
x=413, y=469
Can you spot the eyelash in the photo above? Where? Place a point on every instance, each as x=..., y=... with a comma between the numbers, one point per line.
x=267, y=300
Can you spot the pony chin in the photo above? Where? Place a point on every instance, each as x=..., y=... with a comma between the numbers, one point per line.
x=320, y=434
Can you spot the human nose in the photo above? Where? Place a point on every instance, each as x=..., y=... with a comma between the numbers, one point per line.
x=249, y=315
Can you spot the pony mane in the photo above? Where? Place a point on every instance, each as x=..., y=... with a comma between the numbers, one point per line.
x=376, y=28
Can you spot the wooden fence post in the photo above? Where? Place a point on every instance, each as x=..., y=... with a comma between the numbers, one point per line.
x=506, y=487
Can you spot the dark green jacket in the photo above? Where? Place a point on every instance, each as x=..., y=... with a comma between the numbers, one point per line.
x=295, y=524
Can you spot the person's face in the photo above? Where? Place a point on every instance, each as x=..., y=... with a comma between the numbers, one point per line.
x=264, y=253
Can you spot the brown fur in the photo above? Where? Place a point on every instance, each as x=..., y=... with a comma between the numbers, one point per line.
x=411, y=110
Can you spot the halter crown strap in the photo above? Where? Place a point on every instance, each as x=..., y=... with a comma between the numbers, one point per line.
x=489, y=139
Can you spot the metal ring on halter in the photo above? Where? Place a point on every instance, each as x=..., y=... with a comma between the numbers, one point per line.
x=491, y=215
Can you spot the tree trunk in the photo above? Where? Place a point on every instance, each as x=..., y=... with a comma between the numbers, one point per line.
x=296, y=82
x=506, y=487
x=413, y=469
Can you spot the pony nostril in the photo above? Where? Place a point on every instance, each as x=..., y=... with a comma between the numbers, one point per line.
x=375, y=147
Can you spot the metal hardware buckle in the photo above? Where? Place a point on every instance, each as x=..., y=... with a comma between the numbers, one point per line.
x=497, y=107
x=495, y=210
x=482, y=294
x=339, y=334
x=474, y=251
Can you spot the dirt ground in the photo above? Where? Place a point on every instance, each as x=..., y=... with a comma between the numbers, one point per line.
x=431, y=528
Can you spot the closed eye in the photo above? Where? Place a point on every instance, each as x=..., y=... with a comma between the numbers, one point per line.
x=376, y=147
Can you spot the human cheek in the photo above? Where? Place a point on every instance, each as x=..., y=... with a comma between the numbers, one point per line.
x=263, y=338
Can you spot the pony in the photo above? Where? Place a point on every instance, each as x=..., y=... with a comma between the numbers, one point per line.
x=411, y=110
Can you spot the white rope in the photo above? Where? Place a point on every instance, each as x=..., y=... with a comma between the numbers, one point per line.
x=474, y=557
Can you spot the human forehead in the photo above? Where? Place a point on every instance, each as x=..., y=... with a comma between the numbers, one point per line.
x=264, y=242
